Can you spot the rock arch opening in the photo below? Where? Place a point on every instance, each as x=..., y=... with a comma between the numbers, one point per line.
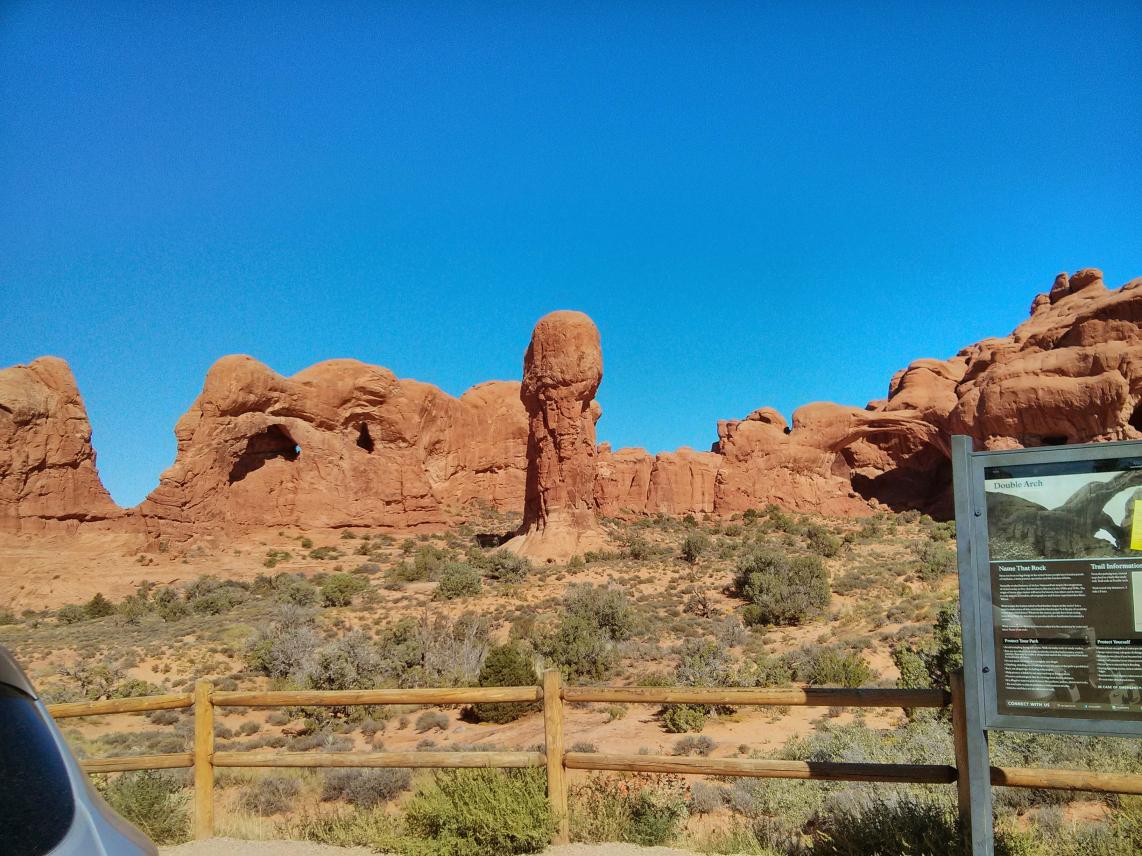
x=1136, y=417
x=274, y=442
x=364, y=438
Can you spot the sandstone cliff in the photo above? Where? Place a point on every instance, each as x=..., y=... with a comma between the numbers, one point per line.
x=347, y=444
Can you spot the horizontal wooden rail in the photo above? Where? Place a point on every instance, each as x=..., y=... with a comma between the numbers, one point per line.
x=803, y=696
x=379, y=759
x=831, y=771
x=1067, y=780
x=141, y=704
x=462, y=695
x=126, y=763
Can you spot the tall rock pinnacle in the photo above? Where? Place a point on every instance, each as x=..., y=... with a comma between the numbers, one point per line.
x=561, y=373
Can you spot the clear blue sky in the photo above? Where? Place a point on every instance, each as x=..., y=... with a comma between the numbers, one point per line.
x=758, y=204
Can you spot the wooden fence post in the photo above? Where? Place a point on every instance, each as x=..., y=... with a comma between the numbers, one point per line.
x=553, y=743
x=960, y=746
x=203, y=760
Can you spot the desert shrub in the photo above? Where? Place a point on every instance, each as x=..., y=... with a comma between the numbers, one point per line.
x=484, y=812
x=582, y=644
x=431, y=719
x=693, y=546
x=703, y=663
x=8, y=617
x=632, y=807
x=507, y=567
x=365, y=788
x=605, y=606
x=691, y=745
x=730, y=632
x=72, y=613
x=270, y=795
x=930, y=664
x=830, y=667
x=583, y=746
x=505, y=666
x=352, y=662
x=367, y=568
x=153, y=801
x=340, y=589
x=822, y=541
x=292, y=589
x=433, y=652
x=680, y=718
x=98, y=607
x=936, y=560
x=286, y=646
x=324, y=553
x=170, y=604
x=705, y=798
x=458, y=580
x=579, y=648
x=209, y=596
x=942, y=531
x=781, y=589
x=766, y=671
x=636, y=547
x=164, y=717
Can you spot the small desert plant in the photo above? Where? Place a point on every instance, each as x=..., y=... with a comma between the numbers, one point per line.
x=270, y=795
x=98, y=607
x=480, y=813
x=431, y=719
x=458, y=580
x=365, y=788
x=705, y=798
x=154, y=802
x=693, y=546
x=505, y=666
x=782, y=589
x=507, y=567
x=679, y=718
x=340, y=589
x=691, y=745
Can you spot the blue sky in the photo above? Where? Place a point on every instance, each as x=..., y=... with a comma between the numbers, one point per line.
x=759, y=204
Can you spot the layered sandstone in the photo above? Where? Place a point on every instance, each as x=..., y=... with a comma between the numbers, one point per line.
x=562, y=369
x=48, y=480
x=339, y=444
x=347, y=444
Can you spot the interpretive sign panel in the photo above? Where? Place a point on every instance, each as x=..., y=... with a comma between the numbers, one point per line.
x=1057, y=552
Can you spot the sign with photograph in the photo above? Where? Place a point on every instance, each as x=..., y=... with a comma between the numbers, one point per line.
x=1057, y=555
x=1066, y=582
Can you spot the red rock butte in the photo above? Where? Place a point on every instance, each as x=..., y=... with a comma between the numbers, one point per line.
x=344, y=444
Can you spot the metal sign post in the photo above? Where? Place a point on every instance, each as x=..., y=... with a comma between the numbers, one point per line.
x=1050, y=562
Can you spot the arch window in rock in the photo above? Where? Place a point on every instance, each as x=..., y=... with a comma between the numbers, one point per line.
x=273, y=442
x=364, y=438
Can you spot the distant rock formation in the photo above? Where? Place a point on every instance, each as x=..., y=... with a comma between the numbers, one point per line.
x=347, y=444
x=48, y=480
x=561, y=373
x=339, y=444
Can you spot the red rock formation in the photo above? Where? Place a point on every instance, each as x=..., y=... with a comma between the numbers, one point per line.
x=346, y=444
x=561, y=373
x=48, y=479
x=341, y=443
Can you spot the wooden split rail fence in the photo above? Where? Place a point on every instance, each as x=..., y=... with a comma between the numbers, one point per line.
x=204, y=759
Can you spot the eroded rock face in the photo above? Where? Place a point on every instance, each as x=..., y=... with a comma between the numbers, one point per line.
x=48, y=479
x=562, y=369
x=341, y=443
x=347, y=444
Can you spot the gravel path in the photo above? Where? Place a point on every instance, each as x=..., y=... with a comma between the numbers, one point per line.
x=236, y=847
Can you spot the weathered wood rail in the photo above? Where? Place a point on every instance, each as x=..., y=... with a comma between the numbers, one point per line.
x=203, y=759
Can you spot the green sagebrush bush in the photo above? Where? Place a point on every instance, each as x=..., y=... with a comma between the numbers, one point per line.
x=781, y=589
x=583, y=643
x=633, y=807
x=483, y=812
x=153, y=801
x=505, y=666
x=458, y=580
x=340, y=589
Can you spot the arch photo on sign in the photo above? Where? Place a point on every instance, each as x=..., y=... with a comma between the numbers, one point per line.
x=1054, y=594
